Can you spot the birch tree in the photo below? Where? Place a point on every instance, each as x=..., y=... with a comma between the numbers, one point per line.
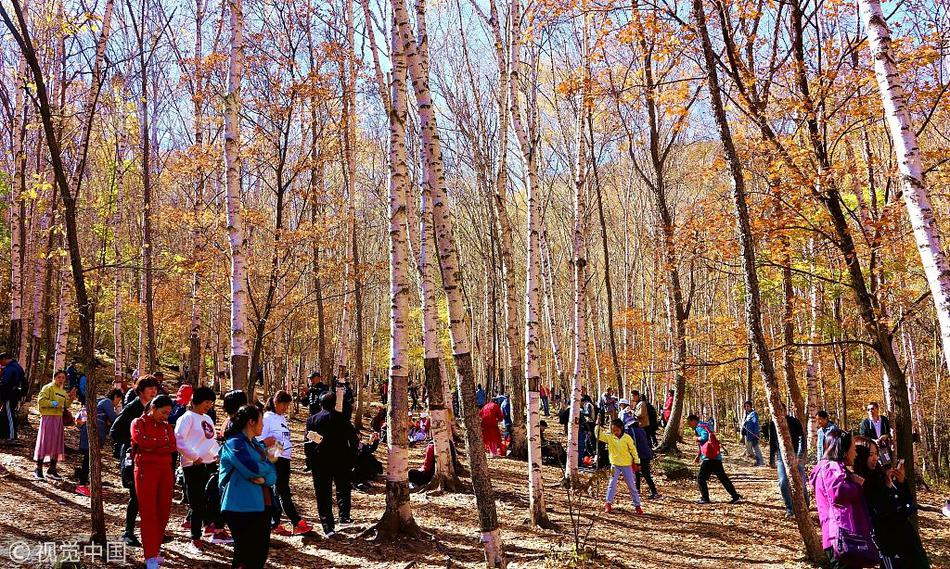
x=913, y=185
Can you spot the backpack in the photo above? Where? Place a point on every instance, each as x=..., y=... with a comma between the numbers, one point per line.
x=711, y=448
x=651, y=414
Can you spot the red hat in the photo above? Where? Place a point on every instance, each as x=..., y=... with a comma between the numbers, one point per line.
x=184, y=394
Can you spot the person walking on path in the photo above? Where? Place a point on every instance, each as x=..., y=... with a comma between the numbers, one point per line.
x=891, y=509
x=276, y=437
x=332, y=461
x=311, y=397
x=490, y=415
x=839, y=496
x=545, y=404
x=245, y=478
x=667, y=407
x=623, y=462
x=645, y=451
x=710, y=459
x=800, y=442
x=153, y=444
x=750, y=432
x=146, y=388
x=198, y=447
x=12, y=389
x=825, y=426
x=50, y=441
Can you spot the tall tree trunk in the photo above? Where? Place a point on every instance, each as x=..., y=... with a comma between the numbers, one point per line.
x=452, y=284
x=756, y=334
x=397, y=518
x=232, y=165
x=17, y=205
x=532, y=347
x=144, y=54
x=550, y=310
x=810, y=366
x=913, y=186
x=788, y=334
x=579, y=262
x=198, y=245
x=85, y=306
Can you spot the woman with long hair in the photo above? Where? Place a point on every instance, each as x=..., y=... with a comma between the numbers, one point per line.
x=276, y=437
x=839, y=495
x=245, y=478
x=53, y=400
x=892, y=509
x=153, y=444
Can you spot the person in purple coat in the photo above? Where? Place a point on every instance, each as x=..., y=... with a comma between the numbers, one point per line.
x=839, y=495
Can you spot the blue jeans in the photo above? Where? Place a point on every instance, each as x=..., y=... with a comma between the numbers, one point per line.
x=752, y=448
x=783, y=483
x=627, y=472
x=581, y=446
x=545, y=407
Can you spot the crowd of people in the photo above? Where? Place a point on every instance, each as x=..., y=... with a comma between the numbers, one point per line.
x=235, y=474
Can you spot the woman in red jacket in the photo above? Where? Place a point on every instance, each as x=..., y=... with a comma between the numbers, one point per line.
x=153, y=441
x=491, y=414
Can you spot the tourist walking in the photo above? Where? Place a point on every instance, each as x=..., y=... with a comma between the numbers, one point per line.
x=331, y=461
x=12, y=389
x=623, y=462
x=198, y=447
x=750, y=433
x=710, y=459
x=799, y=442
x=276, y=437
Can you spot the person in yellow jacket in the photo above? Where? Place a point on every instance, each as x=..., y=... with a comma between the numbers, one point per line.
x=52, y=401
x=623, y=461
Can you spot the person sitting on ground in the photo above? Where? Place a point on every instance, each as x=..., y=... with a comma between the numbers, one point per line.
x=892, y=510
x=419, y=430
x=366, y=467
x=422, y=476
x=552, y=452
x=710, y=458
x=623, y=461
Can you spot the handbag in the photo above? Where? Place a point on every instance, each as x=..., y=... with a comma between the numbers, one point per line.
x=855, y=550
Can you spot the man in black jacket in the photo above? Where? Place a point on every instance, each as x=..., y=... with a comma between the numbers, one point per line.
x=877, y=428
x=311, y=397
x=330, y=454
x=146, y=388
x=12, y=388
x=800, y=446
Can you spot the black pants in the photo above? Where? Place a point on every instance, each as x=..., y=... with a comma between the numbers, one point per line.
x=420, y=477
x=132, y=510
x=285, y=499
x=196, y=480
x=82, y=474
x=651, y=433
x=8, y=420
x=645, y=472
x=251, y=533
x=708, y=468
x=324, y=478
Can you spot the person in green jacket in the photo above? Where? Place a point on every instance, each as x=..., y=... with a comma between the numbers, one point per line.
x=50, y=443
x=624, y=461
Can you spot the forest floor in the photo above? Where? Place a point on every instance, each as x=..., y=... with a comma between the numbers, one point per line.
x=674, y=531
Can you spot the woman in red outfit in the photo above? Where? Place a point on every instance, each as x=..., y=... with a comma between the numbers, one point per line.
x=491, y=414
x=153, y=441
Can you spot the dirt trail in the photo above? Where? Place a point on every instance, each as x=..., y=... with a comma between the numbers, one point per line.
x=674, y=532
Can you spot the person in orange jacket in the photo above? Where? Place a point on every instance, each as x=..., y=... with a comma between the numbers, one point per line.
x=153, y=440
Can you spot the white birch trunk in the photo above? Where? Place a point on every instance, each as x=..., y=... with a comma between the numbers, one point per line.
x=62, y=319
x=397, y=517
x=550, y=309
x=913, y=185
x=451, y=283
x=232, y=162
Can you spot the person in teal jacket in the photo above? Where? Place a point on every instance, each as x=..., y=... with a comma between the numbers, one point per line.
x=245, y=478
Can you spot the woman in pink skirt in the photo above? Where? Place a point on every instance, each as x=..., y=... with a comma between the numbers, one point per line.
x=53, y=400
